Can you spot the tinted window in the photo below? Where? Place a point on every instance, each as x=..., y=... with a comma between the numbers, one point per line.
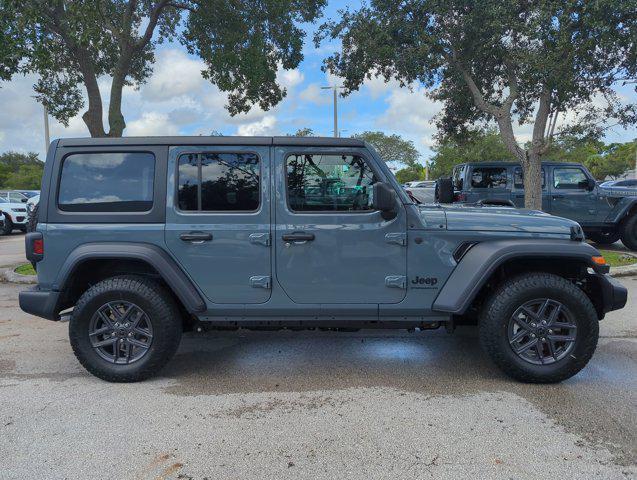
x=329, y=183
x=219, y=182
x=107, y=182
x=489, y=177
x=569, y=179
x=627, y=183
x=518, y=178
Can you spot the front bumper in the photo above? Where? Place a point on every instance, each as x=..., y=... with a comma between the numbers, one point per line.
x=614, y=294
x=41, y=303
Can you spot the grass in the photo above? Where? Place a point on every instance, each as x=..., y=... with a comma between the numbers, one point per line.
x=25, y=269
x=618, y=259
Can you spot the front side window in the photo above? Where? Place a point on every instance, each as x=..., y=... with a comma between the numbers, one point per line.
x=107, y=182
x=489, y=177
x=329, y=183
x=218, y=182
x=518, y=178
x=569, y=179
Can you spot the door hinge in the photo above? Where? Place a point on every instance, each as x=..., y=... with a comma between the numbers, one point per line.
x=396, y=281
x=260, y=281
x=260, y=238
x=397, y=238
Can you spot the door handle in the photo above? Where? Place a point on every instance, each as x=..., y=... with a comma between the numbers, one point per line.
x=196, y=237
x=298, y=237
x=558, y=196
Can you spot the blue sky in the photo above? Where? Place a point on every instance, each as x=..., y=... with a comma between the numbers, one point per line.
x=176, y=100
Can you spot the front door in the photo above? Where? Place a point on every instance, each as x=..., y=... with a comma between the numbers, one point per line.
x=488, y=182
x=331, y=246
x=517, y=193
x=570, y=196
x=218, y=220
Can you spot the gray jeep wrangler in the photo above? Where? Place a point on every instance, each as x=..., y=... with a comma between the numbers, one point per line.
x=568, y=190
x=140, y=239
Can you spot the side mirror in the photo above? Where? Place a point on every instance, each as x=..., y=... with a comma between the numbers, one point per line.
x=384, y=197
x=590, y=184
x=24, y=200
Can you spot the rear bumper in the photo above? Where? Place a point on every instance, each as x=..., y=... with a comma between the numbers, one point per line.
x=41, y=303
x=614, y=294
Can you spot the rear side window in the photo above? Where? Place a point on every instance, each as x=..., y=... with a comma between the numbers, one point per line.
x=518, y=178
x=107, y=182
x=329, y=183
x=489, y=177
x=213, y=182
x=458, y=174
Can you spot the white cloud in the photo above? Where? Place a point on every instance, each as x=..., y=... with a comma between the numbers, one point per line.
x=174, y=74
x=313, y=94
x=151, y=123
x=265, y=126
x=290, y=78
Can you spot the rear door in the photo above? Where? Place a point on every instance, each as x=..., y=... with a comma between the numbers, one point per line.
x=517, y=192
x=332, y=247
x=218, y=220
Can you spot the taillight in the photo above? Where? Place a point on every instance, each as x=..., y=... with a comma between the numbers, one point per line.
x=38, y=246
x=459, y=197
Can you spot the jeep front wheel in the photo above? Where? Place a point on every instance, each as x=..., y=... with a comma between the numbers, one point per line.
x=629, y=232
x=604, y=238
x=125, y=329
x=539, y=328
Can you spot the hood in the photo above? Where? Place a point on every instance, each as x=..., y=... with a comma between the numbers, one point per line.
x=619, y=192
x=498, y=219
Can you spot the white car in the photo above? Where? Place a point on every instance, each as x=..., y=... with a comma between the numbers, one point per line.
x=13, y=206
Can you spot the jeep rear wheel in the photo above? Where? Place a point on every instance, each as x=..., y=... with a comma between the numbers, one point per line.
x=7, y=226
x=124, y=329
x=539, y=328
x=604, y=238
x=629, y=232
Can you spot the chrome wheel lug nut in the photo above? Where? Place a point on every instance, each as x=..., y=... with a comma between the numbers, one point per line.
x=533, y=325
x=533, y=335
x=550, y=332
x=543, y=339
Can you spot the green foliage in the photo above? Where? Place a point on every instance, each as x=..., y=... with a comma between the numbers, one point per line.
x=474, y=146
x=409, y=174
x=20, y=171
x=25, y=269
x=392, y=148
x=72, y=44
x=501, y=61
x=302, y=132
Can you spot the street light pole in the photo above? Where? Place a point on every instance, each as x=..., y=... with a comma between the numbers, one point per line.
x=335, y=89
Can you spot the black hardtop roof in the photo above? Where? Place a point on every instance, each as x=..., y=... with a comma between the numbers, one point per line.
x=209, y=140
x=506, y=164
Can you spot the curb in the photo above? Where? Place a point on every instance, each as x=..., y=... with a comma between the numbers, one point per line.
x=625, y=271
x=7, y=275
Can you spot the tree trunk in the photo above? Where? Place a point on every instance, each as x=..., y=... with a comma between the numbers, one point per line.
x=532, y=167
x=93, y=116
x=115, y=118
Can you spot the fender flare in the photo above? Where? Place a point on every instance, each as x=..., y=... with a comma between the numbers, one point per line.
x=153, y=255
x=481, y=260
x=621, y=209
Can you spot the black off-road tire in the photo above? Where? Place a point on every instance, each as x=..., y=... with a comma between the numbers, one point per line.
x=32, y=221
x=444, y=190
x=503, y=303
x=160, y=308
x=7, y=226
x=604, y=238
x=629, y=232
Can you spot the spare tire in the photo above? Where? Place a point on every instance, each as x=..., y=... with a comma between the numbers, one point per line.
x=32, y=221
x=444, y=190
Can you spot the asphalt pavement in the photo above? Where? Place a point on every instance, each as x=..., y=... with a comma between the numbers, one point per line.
x=12, y=249
x=313, y=405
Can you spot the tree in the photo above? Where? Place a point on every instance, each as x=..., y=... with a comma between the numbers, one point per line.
x=20, y=171
x=499, y=61
x=70, y=44
x=474, y=146
x=409, y=174
x=392, y=148
x=302, y=132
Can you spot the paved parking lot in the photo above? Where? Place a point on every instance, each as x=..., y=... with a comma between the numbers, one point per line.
x=313, y=405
